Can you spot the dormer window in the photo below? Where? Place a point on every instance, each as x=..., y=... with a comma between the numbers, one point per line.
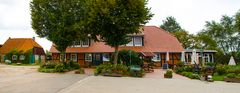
x=136, y=41
x=85, y=43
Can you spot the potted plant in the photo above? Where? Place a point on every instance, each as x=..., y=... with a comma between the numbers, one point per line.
x=168, y=74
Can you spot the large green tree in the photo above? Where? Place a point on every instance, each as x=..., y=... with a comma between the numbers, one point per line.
x=60, y=21
x=225, y=33
x=171, y=25
x=111, y=21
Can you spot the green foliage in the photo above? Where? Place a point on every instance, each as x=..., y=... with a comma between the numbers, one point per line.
x=110, y=69
x=80, y=71
x=130, y=57
x=52, y=67
x=168, y=73
x=26, y=54
x=195, y=76
x=231, y=75
x=211, y=64
x=61, y=22
x=171, y=25
x=60, y=67
x=180, y=64
x=114, y=20
x=221, y=70
x=74, y=65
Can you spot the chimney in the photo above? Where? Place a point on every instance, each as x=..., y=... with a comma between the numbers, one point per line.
x=9, y=37
x=33, y=38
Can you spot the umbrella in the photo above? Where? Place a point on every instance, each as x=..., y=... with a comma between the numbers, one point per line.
x=232, y=61
x=183, y=56
x=194, y=57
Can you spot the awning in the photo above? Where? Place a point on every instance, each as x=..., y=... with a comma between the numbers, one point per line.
x=148, y=54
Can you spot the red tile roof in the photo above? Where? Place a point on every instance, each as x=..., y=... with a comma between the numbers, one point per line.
x=155, y=40
x=21, y=44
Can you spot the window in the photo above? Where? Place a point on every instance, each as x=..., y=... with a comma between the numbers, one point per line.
x=81, y=43
x=22, y=57
x=85, y=43
x=36, y=57
x=157, y=57
x=14, y=57
x=88, y=57
x=74, y=57
x=77, y=44
x=105, y=57
x=137, y=41
x=130, y=43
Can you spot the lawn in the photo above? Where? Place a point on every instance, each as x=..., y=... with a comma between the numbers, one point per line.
x=218, y=78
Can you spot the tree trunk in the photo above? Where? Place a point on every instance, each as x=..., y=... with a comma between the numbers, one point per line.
x=63, y=58
x=116, y=55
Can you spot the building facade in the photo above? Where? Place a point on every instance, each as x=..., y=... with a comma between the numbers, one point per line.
x=22, y=50
x=153, y=42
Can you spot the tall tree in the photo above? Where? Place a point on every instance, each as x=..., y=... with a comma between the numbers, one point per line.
x=60, y=21
x=185, y=38
x=225, y=33
x=171, y=25
x=111, y=21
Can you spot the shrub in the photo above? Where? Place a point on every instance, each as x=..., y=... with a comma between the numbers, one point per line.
x=179, y=70
x=221, y=70
x=180, y=64
x=231, y=75
x=188, y=68
x=46, y=70
x=74, y=65
x=60, y=67
x=168, y=73
x=109, y=69
x=195, y=76
x=48, y=65
x=127, y=55
x=80, y=71
x=210, y=64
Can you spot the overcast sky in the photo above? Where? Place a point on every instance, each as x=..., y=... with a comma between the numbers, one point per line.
x=15, y=18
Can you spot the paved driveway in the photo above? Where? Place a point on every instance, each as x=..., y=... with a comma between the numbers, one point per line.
x=28, y=80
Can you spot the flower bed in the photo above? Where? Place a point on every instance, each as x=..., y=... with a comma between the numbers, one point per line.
x=52, y=67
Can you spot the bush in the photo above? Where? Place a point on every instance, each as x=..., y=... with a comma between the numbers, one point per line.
x=180, y=64
x=74, y=65
x=110, y=69
x=231, y=75
x=168, y=73
x=210, y=64
x=80, y=71
x=195, y=76
x=127, y=55
x=60, y=67
x=188, y=68
x=221, y=70
x=179, y=70
x=46, y=70
x=48, y=65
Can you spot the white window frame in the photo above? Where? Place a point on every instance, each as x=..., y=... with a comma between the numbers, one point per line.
x=87, y=43
x=88, y=57
x=72, y=57
x=105, y=57
x=77, y=44
x=138, y=41
x=21, y=57
x=157, y=57
x=14, y=57
x=131, y=42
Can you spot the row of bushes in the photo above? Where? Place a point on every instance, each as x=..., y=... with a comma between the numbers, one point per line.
x=51, y=67
x=119, y=69
x=225, y=69
x=190, y=75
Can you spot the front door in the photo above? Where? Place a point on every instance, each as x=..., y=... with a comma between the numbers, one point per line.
x=97, y=59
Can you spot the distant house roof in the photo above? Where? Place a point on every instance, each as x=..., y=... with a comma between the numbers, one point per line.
x=198, y=50
x=1, y=45
x=155, y=40
x=20, y=44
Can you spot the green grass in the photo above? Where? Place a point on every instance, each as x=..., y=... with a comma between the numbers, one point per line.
x=218, y=78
